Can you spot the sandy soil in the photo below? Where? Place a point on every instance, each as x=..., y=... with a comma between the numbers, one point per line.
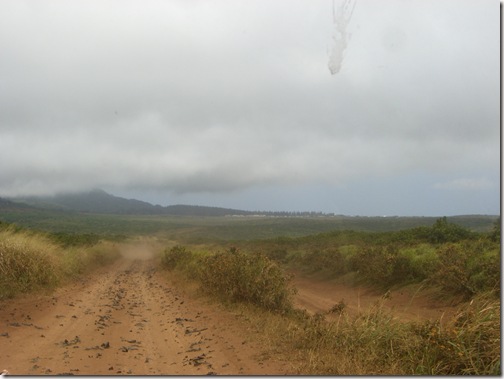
x=126, y=319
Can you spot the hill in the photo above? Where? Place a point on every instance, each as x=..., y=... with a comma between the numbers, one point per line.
x=100, y=202
x=7, y=205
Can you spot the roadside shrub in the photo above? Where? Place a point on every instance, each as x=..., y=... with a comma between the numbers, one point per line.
x=181, y=259
x=242, y=277
x=452, y=274
x=173, y=257
x=383, y=265
x=484, y=271
x=466, y=270
x=27, y=262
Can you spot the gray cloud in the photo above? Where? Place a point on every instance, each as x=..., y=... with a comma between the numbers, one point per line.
x=222, y=96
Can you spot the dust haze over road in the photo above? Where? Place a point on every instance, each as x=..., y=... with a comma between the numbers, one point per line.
x=141, y=250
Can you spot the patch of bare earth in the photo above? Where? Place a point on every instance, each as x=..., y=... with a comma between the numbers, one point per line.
x=126, y=319
x=407, y=304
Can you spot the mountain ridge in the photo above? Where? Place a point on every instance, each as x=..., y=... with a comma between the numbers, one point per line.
x=100, y=202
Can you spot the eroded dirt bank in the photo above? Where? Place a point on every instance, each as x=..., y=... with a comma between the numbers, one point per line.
x=125, y=319
x=405, y=304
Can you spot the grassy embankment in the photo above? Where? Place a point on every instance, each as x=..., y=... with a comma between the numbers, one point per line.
x=31, y=261
x=459, y=263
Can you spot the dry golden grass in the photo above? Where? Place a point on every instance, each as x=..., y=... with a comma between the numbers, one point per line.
x=30, y=261
x=374, y=343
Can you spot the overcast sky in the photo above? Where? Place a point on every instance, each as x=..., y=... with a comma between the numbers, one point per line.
x=232, y=103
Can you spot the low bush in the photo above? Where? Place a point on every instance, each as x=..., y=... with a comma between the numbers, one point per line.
x=467, y=269
x=186, y=261
x=246, y=277
x=234, y=276
x=383, y=266
x=175, y=256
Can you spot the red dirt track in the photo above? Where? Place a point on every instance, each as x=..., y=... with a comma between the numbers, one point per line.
x=126, y=319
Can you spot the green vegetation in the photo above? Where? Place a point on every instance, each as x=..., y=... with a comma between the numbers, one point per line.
x=191, y=230
x=236, y=276
x=462, y=264
x=31, y=261
x=445, y=255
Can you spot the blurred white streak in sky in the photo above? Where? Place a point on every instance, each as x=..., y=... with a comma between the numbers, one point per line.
x=341, y=19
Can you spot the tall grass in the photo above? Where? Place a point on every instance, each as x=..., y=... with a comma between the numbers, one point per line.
x=375, y=343
x=27, y=262
x=468, y=345
x=30, y=261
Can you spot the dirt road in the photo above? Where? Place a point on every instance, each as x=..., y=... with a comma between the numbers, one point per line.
x=125, y=319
